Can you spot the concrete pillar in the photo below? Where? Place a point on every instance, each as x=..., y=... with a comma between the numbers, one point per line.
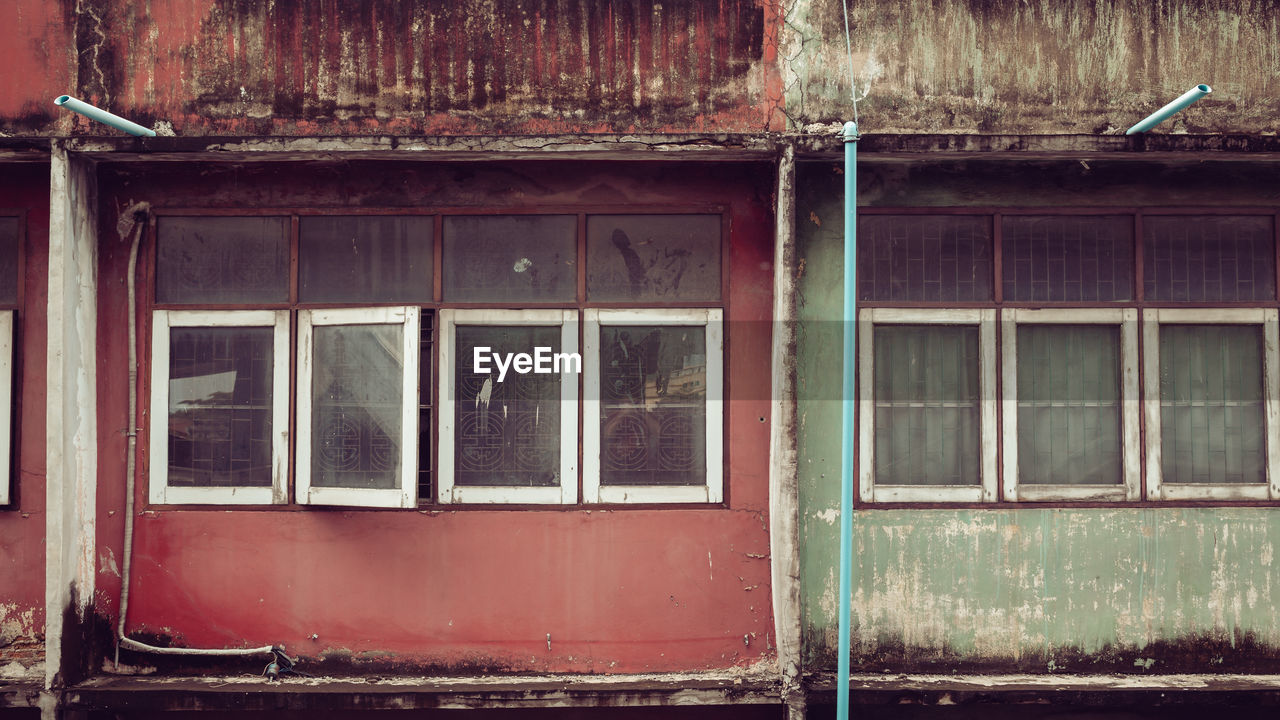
x=71, y=449
x=784, y=498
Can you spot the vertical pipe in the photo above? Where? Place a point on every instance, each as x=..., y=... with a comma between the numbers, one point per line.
x=847, y=398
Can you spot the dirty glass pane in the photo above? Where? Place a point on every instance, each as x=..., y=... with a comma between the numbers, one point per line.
x=1069, y=405
x=507, y=426
x=365, y=259
x=1067, y=258
x=220, y=402
x=1211, y=412
x=923, y=258
x=501, y=258
x=357, y=397
x=659, y=258
x=222, y=260
x=8, y=259
x=653, y=405
x=928, y=411
x=1223, y=258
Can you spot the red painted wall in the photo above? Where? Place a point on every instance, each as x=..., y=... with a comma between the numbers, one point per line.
x=261, y=67
x=618, y=590
x=25, y=187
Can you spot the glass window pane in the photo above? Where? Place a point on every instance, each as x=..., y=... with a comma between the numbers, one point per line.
x=653, y=257
x=500, y=258
x=8, y=259
x=222, y=260
x=365, y=259
x=1069, y=405
x=922, y=258
x=928, y=413
x=1224, y=258
x=1067, y=258
x=507, y=431
x=357, y=397
x=220, y=403
x=1212, y=428
x=653, y=405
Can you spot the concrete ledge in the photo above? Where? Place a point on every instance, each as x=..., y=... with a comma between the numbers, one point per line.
x=1081, y=690
x=413, y=693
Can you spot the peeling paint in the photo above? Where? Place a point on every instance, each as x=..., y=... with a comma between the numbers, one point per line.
x=1124, y=589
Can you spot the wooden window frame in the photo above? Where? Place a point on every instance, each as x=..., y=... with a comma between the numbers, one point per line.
x=712, y=488
x=160, y=492
x=449, y=493
x=1130, y=489
x=405, y=495
x=1152, y=320
x=986, y=490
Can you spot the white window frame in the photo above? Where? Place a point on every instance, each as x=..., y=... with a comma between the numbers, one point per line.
x=869, y=490
x=1152, y=319
x=712, y=489
x=160, y=492
x=1130, y=489
x=404, y=496
x=448, y=492
x=6, y=406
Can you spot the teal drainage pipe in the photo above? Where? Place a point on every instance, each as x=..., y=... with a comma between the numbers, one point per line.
x=1165, y=112
x=103, y=116
x=847, y=397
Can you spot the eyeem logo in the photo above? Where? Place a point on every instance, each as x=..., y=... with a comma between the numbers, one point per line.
x=542, y=362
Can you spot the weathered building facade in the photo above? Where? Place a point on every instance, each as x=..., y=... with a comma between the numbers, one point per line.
x=239, y=351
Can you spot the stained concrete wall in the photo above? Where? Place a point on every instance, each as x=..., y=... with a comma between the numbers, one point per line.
x=262, y=67
x=331, y=67
x=1038, y=66
x=25, y=189
x=1004, y=588
x=447, y=590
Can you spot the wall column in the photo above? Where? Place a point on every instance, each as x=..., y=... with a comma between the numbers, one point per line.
x=784, y=499
x=71, y=449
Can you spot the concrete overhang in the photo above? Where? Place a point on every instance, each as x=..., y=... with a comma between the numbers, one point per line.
x=709, y=147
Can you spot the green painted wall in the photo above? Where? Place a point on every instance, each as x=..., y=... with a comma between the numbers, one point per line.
x=1087, y=589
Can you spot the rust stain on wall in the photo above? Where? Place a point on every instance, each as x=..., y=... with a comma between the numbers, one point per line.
x=428, y=66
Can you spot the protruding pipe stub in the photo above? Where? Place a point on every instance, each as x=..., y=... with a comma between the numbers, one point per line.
x=102, y=116
x=1169, y=110
x=850, y=132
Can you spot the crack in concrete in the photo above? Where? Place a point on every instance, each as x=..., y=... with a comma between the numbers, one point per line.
x=96, y=48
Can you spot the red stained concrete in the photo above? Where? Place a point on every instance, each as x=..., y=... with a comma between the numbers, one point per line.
x=288, y=67
x=25, y=188
x=621, y=590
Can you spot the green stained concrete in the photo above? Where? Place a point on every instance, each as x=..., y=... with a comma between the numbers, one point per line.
x=1154, y=588
x=1029, y=67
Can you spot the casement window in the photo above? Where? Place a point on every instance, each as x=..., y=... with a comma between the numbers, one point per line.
x=1070, y=404
x=220, y=399
x=227, y=290
x=509, y=436
x=928, y=381
x=653, y=420
x=1128, y=340
x=10, y=297
x=1211, y=408
x=397, y=360
x=358, y=406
